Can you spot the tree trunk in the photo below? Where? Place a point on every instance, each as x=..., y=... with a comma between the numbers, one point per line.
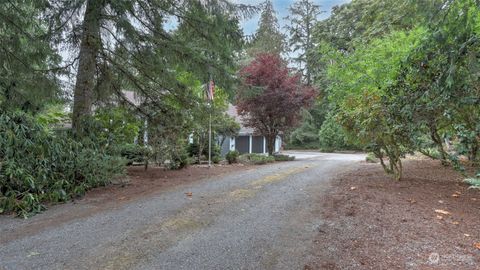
x=270, y=143
x=439, y=143
x=89, y=47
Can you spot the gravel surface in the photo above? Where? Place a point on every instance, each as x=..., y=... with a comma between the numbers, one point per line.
x=255, y=219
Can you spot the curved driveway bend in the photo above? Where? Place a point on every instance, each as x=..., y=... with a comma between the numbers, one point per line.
x=255, y=219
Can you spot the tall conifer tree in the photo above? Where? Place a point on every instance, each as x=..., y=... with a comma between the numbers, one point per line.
x=268, y=38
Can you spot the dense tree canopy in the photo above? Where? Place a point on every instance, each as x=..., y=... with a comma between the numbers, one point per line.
x=405, y=79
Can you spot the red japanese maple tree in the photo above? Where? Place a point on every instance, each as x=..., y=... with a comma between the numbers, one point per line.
x=270, y=98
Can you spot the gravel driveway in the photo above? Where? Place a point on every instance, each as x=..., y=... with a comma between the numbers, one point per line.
x=256, y=219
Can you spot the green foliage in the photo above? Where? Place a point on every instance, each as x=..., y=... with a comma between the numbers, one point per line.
x=268, y=38
x=194, y=148
x=405, y=85
x=474, y=182
x=332, y=136
x=306, y=135
x=119, y=125
x=27, y=59
x=280, y=157
x=302, y=20
x=232, y=156
x=179, y=160
x=37, y=166
x=371, y=158
x=133, y=153
x=256, y=159
x=52, y=115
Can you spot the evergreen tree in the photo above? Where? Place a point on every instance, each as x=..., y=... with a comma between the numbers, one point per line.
x=303, y=18
x=268, y=38
x=125, y=45
x=27, y=61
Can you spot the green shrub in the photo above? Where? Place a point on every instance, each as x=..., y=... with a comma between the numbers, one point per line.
x=371, y=158
x=179, y=159
x=280, y=157
x=474, y=182
x=232, y=156
x=216, y=159
x=256, y=159
x=331, y=135
x=133, y=153
x=193, y=149
x=39, y=166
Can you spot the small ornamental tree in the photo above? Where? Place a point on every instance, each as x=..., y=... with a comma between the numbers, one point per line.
x=270, y=98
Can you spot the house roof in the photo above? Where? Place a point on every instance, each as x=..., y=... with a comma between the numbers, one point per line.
x=232, y=111
x=132, y=97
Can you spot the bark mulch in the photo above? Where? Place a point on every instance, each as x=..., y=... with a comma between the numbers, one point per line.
x=428, y=220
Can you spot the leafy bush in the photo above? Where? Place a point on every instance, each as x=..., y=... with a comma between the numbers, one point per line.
x=119, y=126
x=216, y=159
x=331, y=135
x=232, y=156
x=306, y=135
x=193, y=149
x=474, y=182
x=280, y=157
x=256, y=159
x=38, y=166
x=133, y=153
x=371, y=158
x=179, y=159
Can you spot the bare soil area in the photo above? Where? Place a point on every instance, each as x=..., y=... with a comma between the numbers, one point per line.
x=428, y=220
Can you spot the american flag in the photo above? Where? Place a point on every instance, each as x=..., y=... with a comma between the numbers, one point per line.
x=210, y=90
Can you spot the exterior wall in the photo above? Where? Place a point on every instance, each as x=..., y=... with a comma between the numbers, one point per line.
x=225, y=147
x=247, y=144
x=278, y=144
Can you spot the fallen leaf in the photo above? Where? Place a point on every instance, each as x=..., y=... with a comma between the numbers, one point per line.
x=458, y=192
x=455, y=195
x=443, y=212
x=411, y=201
x=33, y=253
x=189, y=194
x=477, y=245
x=466, y=234
x=440, y=201
x=353, y=188
x=439, y=217
x=455, y=222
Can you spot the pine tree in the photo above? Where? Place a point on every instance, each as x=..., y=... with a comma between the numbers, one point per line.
x=268, y=38
x=303, y=18
x=27, y=60
x=124, y=45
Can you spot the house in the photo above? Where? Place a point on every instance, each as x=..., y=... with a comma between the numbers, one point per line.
x=247, y=141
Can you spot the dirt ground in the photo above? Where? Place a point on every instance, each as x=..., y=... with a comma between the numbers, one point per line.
x=428, y=220
x=141, y=182
x=136, y=185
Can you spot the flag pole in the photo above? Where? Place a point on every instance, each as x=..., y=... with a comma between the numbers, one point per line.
x=210, y=137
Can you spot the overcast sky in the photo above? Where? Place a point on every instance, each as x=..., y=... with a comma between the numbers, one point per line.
x=281, y=7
